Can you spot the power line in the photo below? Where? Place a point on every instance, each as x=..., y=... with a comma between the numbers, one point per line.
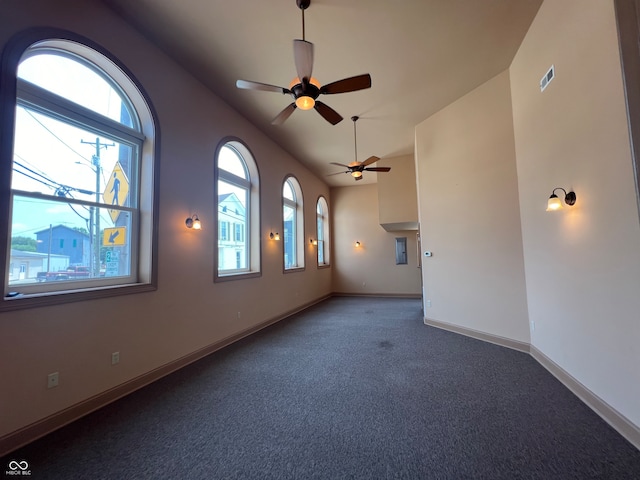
x=54, y=135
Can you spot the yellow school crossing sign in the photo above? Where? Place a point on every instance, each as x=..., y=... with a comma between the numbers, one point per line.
x=116, y=191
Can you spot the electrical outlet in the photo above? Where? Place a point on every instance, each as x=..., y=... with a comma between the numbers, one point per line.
x=238, y=315
x=533, y=326
x=428, y=303
x=115, y=358
x=52, y=379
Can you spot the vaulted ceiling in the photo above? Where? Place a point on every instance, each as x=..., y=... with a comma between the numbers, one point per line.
x=421, y=54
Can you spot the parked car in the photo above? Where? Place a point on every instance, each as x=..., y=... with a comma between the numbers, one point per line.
x=73, y=272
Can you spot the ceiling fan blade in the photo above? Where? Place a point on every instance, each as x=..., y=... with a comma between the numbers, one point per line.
x=378, y=169
x=329, y=114
x=345, y=85
x=370, y=160
x=284, y=114
x=303, y=57
x=337, y=173
x=249, y=85
x=339, y=164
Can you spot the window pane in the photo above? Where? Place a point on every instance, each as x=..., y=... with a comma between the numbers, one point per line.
x=229, y=160
x=322, y=232
x=54, y=158
x=287, y=191
x=289, y=217
x=232, y=214
x=63, y=241
x=68, y=78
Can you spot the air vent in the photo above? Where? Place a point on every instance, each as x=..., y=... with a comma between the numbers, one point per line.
x=546, y=80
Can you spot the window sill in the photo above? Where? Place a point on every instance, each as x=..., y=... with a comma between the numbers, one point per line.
x=293, y=269
x=35, y=300
x=236, y=276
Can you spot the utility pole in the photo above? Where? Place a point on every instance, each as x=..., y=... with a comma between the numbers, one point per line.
x=95, y=161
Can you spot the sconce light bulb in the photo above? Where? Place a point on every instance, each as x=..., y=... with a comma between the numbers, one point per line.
x=357, y=244
x=193, y=222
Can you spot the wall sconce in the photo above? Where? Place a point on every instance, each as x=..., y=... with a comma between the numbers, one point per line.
x=555, y=203
x=274, y=236
x=193, y=222
x=313, y=242
x=357, y=244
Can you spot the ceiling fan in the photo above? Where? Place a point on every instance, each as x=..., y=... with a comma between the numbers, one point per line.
x=304, y=88
x=356, y=168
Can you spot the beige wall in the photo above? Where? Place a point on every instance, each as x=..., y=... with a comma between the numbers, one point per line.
x=397, y=196
x=188, y=311
x=371, y=268
x=469, y=217
x=583, y=263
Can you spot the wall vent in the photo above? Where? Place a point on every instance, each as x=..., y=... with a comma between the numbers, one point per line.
x=546, y=80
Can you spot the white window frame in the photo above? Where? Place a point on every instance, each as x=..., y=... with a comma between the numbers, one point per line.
x=143, y=236
x=297, y=205
x=322, y=232
x=252, y=226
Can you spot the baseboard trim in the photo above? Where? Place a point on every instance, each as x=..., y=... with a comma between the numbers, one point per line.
x=377, y=295
x=486, y=337
x=40, y=428
x=609, y=414
x=615, y=419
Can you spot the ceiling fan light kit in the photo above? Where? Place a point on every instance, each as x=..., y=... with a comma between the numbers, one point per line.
x=305, y=89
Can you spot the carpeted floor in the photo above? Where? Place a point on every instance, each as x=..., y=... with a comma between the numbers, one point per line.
x=352, y=388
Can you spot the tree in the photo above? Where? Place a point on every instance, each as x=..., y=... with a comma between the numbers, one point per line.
x=24, y=244
x=81, y=230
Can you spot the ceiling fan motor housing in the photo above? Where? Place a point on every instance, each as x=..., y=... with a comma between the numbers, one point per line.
x=305, y=89
x=303, y=4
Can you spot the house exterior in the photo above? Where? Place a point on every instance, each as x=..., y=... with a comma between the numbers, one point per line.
x=65, y=241
x=27, y=265
x=232, y=221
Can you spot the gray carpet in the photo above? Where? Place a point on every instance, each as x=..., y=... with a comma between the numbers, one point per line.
x=351, y=388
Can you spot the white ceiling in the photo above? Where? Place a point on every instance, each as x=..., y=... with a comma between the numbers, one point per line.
x=421, y=54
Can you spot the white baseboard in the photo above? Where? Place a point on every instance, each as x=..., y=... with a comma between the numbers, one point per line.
x=619, y=422
x=487, y=337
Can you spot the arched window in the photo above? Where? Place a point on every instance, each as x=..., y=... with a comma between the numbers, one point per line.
x=237, y=212
x=322, y=223
x=293, y=224
x=81, y=176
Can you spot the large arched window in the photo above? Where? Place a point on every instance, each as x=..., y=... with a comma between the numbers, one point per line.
x=322, y=226
x=292, y=224
x=80, y=172
x=237, y=212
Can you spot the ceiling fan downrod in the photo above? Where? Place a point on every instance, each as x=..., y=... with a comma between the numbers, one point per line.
x=355, y=138
x=303, y=5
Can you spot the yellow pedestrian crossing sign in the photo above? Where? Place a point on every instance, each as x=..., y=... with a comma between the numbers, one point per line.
x=112, y=237
x=116, y=191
